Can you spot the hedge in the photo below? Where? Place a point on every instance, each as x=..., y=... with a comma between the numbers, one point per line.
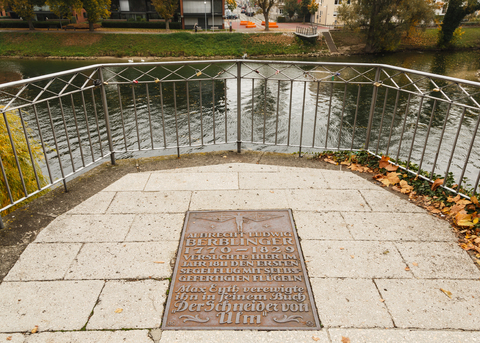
x=140, y=24
x=37, y=24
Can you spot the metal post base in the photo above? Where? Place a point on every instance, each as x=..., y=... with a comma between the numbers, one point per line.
x=112, y=158
x=65, y=185
x=2, y=225
x=239, y=147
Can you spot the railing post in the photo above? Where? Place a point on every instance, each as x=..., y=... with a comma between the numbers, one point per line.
x=239, y=107
x=2, y=225
x=107, y=119
x=372, y=107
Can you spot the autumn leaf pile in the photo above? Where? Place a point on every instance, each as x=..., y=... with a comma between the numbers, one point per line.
x=462, y=213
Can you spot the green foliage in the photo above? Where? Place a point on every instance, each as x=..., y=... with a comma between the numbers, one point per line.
x=265, y=7
x=304, y=8
x=456, y=11
x=290, y=7
x=24, y=9
x=64, y=8
x=9, y=163
x=231, y=4
x=24, y=24
x=96, y=9
x=166, y=9
x=385, y=21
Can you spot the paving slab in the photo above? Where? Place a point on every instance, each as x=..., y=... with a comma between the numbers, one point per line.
x=52, y=305
x=238, y=200
x=95, y=204
x=321, y=225
x=244, y=336
x=281, y=180
x=349, y=303
x=437, y=260
x=129, y=182
x=353, y=259
x=131, y=336
x=156, y=227
x=8, y=257
x=43, y=261
x=129, y=305
x=384, y=201
x=402, y=336
x=192, y=181
x=87, y=228
x=12, y=338
x=422, y=304
x=326, y=200
x=398, y=227
x=222, y=168
x=346, y=180
x=150, y=202
x=131, y=260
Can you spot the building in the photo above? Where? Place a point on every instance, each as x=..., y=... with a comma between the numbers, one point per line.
x=202, y=13
x=133, y=9
x=327, y=12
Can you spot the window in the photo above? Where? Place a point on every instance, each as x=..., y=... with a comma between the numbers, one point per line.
x=124, y=5
x=337, y=2
x=281, y=11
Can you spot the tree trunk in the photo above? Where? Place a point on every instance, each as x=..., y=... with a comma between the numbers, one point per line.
x=267, y=28
x=167, y=24
x=30, y=24
x=90, y=26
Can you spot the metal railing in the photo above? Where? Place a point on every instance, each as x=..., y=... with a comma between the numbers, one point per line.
x=58, y=125
x=306, y=31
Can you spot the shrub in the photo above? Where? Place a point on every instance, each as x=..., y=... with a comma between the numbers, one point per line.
x=140, y=24
x=281, y=19
x=38, y=24
x=9, y=163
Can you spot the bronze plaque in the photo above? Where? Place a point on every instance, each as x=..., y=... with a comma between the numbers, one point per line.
x=240, y=270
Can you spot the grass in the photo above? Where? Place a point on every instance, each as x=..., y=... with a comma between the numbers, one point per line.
x=85, y=44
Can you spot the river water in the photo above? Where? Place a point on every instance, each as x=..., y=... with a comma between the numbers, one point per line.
x=143, y=126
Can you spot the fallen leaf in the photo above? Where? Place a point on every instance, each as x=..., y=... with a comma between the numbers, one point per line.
x=474, y=200
x=345, y=340
x=384, y=162
x=406, y=188
x=352, y=256
x=415, y=264
x=464, y=219
x=158, y=262
x=407, y=269
x=9, y=338
x=315, y=338
x=456, y=209
x=437, y=184
x=382, y=300
x=35, y=329
x=330, y=161
x=119, y=310
x=391, y=179
x=447, y=293
x=391, y=168
x=342, y=248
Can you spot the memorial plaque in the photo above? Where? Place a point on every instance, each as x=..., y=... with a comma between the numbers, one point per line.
x=240, y=270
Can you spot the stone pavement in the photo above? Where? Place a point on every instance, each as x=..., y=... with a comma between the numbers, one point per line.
x=377, y=263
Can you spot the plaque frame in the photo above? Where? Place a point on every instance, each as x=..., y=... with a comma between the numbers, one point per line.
x=316, y=326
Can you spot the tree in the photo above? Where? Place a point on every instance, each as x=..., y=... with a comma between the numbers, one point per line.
x=312, y=8
x=64, y=8
x=385, y=21
x=24, y=9
x=265, y=7
x=304, y=8
x=456, y=11
x=290, y=7
x=166, y=9
x=96, y=9
x=231, y=4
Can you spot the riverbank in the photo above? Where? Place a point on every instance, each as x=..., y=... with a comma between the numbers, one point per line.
x=177, y=45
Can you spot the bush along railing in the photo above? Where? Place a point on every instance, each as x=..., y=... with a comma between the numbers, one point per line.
x=75, y=119
x=141, y=24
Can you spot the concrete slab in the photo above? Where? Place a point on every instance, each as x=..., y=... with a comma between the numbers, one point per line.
x=141, y=304
x=130, y=182
x=123, y=261
x=87, y=228
x=131, y=336
x=222, y=168
x=238, y=200
x=352, y=259
x=398, y=227
x=150, y=202
x=402, y=336
x=12, y=338
x=52, y=305
x=95, y=204
x=8, y=257
x=281, y=180
x=438, y=260
x=346, y=180
x=192, y=181
x=383, y=201
x=422, y=304
x=316, y=225
x=326, y=200
x=349, y=303
x=156, y=227
x=245, y=336
x=43, y=261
